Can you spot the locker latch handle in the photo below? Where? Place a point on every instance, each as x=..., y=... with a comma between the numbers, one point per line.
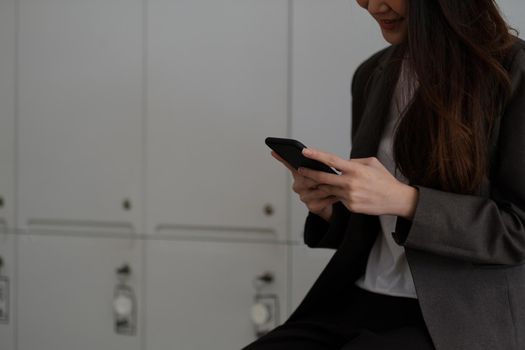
x=124, y=303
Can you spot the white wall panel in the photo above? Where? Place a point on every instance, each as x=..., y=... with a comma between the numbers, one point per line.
x=199, y=294
x=7, y=112
x=66, y=287
x=217, y=87
x=80, y=114
x=513, y=11
x=330, y=39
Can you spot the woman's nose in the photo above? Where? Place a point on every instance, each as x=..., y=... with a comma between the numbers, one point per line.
x=374, y=6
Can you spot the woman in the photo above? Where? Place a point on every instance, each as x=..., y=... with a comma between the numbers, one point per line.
x=428, y=215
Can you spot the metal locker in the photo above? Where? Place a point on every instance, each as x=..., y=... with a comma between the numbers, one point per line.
x=69, y=293
x=203, y=295
x=80, y=115
x=7, y=289
x=217, y=86
x=7, y=177
x=7, y=112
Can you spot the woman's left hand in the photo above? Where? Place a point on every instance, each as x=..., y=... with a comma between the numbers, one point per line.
x=365, y=186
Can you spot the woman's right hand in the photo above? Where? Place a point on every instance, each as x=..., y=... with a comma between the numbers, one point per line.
x=317, y=201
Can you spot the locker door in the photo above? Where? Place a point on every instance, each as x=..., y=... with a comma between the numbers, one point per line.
x=217, y=87
x=7, y=178
x=200, y=294
x=67, y=290
x=7, y=112
x=7, y=290
x=80, y=114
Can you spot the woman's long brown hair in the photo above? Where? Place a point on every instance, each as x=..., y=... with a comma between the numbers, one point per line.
x=456, y=49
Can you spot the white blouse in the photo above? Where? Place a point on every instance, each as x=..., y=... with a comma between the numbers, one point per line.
x=387, y=270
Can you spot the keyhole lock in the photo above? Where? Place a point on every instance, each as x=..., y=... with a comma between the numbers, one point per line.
x=124, y=271
x=263, y=280
x=126, y=204
x=269, y=210
x=266, y=277
x=2, y=203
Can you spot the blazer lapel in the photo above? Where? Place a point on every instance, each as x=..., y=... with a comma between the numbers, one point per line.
x=382, y=83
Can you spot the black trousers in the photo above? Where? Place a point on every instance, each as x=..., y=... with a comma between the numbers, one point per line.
x=374, y=322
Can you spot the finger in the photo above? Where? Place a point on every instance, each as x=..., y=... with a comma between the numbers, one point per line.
x=334, y=191
x=321, y=177
x=303, y=184
x=307, y=183
x=314, y=195
x=327, y=158
x=285, y=163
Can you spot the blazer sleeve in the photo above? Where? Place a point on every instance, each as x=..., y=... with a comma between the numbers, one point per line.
x=474, y=228
x=318, y=233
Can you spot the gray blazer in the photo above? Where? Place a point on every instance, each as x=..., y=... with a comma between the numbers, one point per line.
x=466, y=252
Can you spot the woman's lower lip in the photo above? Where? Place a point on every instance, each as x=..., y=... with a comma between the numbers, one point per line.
x=390, y=25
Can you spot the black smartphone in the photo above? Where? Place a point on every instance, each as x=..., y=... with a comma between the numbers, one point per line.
x=291, y=151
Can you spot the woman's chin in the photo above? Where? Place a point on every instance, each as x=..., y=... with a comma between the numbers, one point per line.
x=394, y=38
